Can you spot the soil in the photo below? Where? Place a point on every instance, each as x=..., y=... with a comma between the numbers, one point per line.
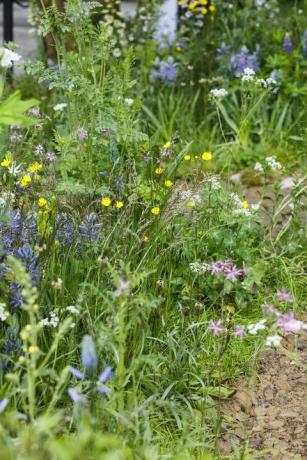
x=267, y=417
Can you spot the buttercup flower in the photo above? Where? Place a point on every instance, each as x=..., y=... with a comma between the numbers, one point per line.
x=187, y=157
x=206, y=156
x=159, y=170
x=168, y=183
x=155, y=211
x=119, y=204
x=33, y=168
x=106, y=201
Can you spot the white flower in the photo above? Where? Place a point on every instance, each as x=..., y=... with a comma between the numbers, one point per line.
x=73, y=310
x=273, y=164
x=219, y=92
x=60, y=107
x=273, y=341
x=52, y=321
x=197, y=267
x=3, y=313
x=253, y=329
x=248, y=74
x=258, y=167
x=129, y=101
x=8, y=57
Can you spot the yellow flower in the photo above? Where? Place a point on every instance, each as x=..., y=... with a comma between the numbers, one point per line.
x=168, y=183
x=42, y=202
x=106, y=201
x=33, y=168
x=21, y=359
x=167, y=145
x=244, y=204
x=212, y=8
x=33, y=349
x=159, y=170
x=190, y=204
x=204, y=11
x=146, y=239
x=6, y=163
x=28, y=327
x=204, y=2
x=187, y=157
x=206, y=156
x=178, y=49
x=25, y=180
x=119, y=204
x=193, y=5
x=155, y=211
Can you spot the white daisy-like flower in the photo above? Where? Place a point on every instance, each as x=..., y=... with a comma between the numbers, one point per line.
x=8, y=57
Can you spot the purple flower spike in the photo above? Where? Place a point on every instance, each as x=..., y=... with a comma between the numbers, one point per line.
x=216, y=327
x=76, y=373
x=106, y=374
x=287, y=44
x=3, y=404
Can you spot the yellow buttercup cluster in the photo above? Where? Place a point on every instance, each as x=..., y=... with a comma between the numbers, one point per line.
x=106, y=202
x=33, y=168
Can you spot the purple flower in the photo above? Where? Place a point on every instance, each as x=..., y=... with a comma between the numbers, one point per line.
x=284, y=296
x=76, y=373
x=216, y=327
x=304, y=44
x=270, y=309
x=239, y=331
x=165, y=71
x=243, y=60
x=88, y=353
x=82, y=134
x=90, y=228
x=227, y=268
x=26, y=255
x=76, y=396
x=65, y=232
x=122, y=288
x=106, y=374
x=287, y=44
x=233, y=273
x=288, y=323
x=39, y=150
x=3, y=404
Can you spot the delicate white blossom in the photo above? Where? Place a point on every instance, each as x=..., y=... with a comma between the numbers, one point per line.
x=253, y=329
x=273, y=341
x=59, y=107
x=219, y=92
x=8, y=57
x=4, y=314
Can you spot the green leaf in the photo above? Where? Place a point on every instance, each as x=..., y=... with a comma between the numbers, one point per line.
x=12, y=110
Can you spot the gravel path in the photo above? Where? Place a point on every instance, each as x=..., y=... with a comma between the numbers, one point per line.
x=268, y=417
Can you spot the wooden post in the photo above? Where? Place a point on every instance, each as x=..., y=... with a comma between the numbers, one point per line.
x=8, y=20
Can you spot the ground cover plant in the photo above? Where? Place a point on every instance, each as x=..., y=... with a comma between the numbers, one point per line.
x=149, y=251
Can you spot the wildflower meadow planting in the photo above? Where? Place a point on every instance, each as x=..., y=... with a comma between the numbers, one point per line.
x=152, y=232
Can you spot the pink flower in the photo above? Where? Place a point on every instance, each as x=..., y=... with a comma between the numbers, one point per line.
x=288, y=323
x=284, y=296
x=82, y=134
x=239, y=331
x=216, y=327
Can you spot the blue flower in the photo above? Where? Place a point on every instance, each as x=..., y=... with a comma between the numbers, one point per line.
x=165, y=71
x=287, y=44
x=88, y=353
x=243, y=60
